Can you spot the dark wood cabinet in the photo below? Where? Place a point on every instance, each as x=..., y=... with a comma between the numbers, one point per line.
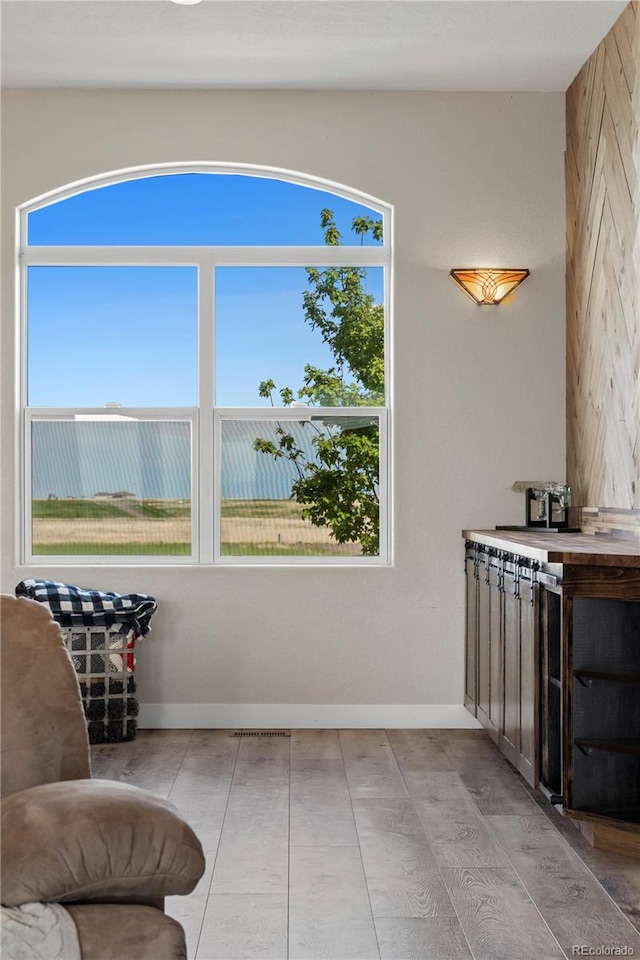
x=553, y=670
x=603, y=722
x=511, y=687
x=550, y=773
x=496, y=654
x=483, y=654
x=519, y=739
x=471, y=575
x=502, y=652
x=529, y=681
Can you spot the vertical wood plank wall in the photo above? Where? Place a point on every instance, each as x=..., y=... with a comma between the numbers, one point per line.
x=603, y=282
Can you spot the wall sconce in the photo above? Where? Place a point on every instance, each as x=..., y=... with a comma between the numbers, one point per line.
x=490, y=285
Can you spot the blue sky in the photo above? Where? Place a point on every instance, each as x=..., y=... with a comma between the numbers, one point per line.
x=100, y=334
x=195, y=209
x=129, y=334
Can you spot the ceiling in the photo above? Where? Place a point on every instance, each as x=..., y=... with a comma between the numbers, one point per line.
x=449, y=45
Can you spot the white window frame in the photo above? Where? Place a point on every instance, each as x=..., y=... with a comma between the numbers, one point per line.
x=52, y=414
x=283, y=414
x=205, y=419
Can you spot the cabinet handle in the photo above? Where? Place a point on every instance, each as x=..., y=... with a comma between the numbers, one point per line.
x=548, y=579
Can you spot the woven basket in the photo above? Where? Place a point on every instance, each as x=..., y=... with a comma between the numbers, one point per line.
x=104, y=661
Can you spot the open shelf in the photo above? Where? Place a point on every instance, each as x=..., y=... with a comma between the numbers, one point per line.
x=629, y=813
x=628, y=745
x=626, y=675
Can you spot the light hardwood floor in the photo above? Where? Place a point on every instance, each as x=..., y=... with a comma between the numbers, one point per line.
x=377, y=845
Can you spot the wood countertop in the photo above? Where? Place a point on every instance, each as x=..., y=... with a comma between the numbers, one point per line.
x=567, y=548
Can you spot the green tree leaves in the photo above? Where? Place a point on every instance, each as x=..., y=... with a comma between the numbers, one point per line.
x=350, y=321
x=339, y=485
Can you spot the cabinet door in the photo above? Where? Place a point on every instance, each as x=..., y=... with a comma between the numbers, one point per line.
x=511, y=691
x=471, y=572
x=551, y=692
x=496, y=656
x=520, y=650
x=485, y=639
x=529, y=682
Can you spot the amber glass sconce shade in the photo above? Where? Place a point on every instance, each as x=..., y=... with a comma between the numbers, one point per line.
x=488, y=285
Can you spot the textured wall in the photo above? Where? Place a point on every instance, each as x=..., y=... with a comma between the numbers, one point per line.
x=603, y=281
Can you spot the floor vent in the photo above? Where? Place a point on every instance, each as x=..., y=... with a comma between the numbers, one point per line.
x=261, y=733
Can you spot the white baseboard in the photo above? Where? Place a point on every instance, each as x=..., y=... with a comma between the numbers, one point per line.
x=172, y=716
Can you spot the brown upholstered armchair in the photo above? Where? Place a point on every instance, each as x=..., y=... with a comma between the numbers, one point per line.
x=108, y=852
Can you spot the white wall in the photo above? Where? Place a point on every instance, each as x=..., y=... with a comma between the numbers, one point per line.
x=476, y=179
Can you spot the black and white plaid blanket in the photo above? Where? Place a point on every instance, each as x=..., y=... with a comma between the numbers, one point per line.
x=72, y=606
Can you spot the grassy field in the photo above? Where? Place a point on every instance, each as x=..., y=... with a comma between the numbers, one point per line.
x=292, y=550
x=129, y=527
x=106, y=509
x=261, y=508
x=156, y=509
x=184, y=549
x=74, y=510
x=113, y=549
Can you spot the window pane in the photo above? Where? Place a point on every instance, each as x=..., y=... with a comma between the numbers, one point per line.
x=99, y=335
x=311, y=490
x=269, y=327
x=112, y=486
x=212, y=209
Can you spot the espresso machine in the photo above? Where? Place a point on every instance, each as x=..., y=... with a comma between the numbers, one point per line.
x=548, y=506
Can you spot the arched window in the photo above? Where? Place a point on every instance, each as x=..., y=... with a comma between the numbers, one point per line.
x=205, y=370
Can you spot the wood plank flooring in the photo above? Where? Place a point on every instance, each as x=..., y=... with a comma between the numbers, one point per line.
x=377, y=845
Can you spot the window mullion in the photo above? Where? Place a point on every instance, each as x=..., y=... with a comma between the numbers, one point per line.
x=299, y=256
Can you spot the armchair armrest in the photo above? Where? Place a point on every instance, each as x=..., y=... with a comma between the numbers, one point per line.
x=95, y=840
